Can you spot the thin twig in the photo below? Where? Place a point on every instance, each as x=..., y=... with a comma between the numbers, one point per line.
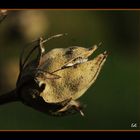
x=3, y=14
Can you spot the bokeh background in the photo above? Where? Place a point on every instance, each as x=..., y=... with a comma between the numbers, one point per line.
x=112, y=102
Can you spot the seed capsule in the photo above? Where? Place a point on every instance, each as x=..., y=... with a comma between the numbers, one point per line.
x=54, y=81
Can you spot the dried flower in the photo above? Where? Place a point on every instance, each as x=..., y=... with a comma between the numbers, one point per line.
x=53, y=81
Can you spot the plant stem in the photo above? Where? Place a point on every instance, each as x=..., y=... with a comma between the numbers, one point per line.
x=9, y=97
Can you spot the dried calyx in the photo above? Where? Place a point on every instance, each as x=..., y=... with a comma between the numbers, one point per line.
x=53, y=81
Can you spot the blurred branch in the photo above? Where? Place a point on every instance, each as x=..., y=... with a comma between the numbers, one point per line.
x=3, y=15
x=9, y=97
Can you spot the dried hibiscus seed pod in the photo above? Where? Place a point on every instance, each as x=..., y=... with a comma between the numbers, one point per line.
x=53, y=81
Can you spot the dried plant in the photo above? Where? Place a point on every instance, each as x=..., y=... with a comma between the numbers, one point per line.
x=52, y=82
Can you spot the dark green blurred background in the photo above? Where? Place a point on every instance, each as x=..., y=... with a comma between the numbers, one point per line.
x=112, y=102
